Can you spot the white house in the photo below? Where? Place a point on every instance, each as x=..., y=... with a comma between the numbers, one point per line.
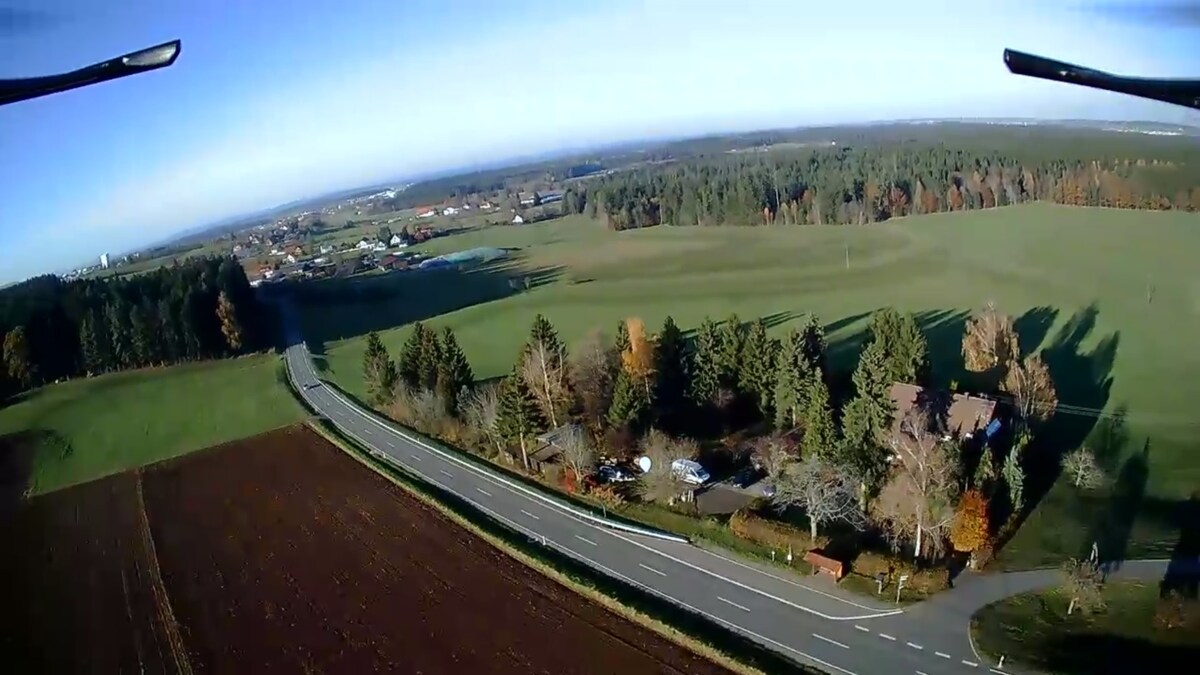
x=290, y=259
x=379, y=246
x=517, y=219
x=396, y=240
x=449, y=211
x=326, y=248
x=428, y=214
x=365, y=245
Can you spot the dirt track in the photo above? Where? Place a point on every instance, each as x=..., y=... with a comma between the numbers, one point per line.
x=281, y=554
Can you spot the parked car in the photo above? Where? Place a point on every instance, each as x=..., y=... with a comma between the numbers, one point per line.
x=690, y=472
x=746, y=477
x=614, y=474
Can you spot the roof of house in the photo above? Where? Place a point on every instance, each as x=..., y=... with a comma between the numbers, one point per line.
x=548, y=443
x=963, y=414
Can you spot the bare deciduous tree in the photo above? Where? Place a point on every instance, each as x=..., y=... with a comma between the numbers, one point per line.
x=990, y=340
x=660, y=484
x=1032, y=389
x=1081, y=466
x=1082, y=583
x=481, y=410
x=592, y=367
x=578, y=454
x=918, y=500
x=428, y=411
x=772, y=454
x=546, y=376
x=826, y=492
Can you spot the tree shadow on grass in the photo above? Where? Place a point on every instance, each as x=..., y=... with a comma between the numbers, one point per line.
x=1099, y=653
x=17, y=454
x=337, y=309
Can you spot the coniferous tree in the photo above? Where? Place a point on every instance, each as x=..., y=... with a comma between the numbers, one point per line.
x=117, y=317
x=231, y=325
x=792, y=373
x=629, y=406
x=141, y=336
x=429, y=356
x=820, y=435
x=706, y=364
x=756, y=371
x=379, y=371
x=93, y=343
x=543, y=331
x=409, y=367
x=671, y=373
x=454, y=371
x=18, y=358
x=868, y=415
x=519, y=420
x=812, y=338
x=729, y=359
x=621, y=343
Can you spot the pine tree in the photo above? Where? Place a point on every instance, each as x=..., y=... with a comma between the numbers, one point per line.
x=140, y=336
x=812, y=344
x=729, y=359
x=543, y=331
x=868, y=415
x=756, y=370
x=706, y=365
x=630, y=406
x=454, y=371
x=671, y=372
x=93, y=343
x=116, y=316
x=791, y=376
x=519, y=419
x=410, y=356
x=820, y=436
x=910, y=354
x=429, y=356
x=621, y=344
x=379, y=372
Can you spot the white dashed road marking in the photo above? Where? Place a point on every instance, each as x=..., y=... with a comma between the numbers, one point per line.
x=970, y=663
x=446, y=473
x=885, y=636
x=732, y=603
x=415, y=457
x=530, y=514
x=588, y=541
x=862, y=628
x=914, y=646
x=944, y=656
x=832, y=642
x=647, y=567
x=483, y=492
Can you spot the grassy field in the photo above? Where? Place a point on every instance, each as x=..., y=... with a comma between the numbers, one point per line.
x=1108, y=295
x=1034, y=630
x=86, y=429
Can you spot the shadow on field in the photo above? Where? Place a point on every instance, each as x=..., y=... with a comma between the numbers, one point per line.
x=1106, y=653
x=17, y=452
x=336, y=309
x=1183, y=572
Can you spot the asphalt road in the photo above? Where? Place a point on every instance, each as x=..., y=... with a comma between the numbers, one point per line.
x=808, y=620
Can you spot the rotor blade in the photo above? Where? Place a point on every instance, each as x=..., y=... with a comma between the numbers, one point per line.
x=1175, y=91
x=143, y=60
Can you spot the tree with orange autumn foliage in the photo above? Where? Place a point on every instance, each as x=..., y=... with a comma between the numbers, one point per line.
x=969, y=531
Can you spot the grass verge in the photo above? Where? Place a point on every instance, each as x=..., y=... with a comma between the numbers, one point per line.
x=1033, y=630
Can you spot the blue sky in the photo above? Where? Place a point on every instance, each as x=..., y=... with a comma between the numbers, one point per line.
x=271, y=101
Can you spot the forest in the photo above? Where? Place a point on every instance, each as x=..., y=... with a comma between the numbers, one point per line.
x=890, y=176
x=51, y=329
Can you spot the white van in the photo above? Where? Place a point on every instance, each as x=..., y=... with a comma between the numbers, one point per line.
x=689, y=472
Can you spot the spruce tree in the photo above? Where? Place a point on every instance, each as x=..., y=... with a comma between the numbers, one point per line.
x=671, y=371
x=756, y=370
x=790, y=367
x=812, y=338
x=518, y=420
x=629, y=406
x=379, y=372
x=410, y=356
x=428, y=357
x=621, y=344
x=543, y=331
x=910, y=354
x=706, y=367
x=729, y=359
x=820, y=436
x=454, y=371
x=868, y=415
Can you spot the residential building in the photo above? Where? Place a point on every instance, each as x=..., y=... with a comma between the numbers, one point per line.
x=517, y=219
x=104, y=261
x=396, y=240
x=962, y=415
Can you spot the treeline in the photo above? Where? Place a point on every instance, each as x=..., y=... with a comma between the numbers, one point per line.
x=859, y=185
x=54, y=329
x=838, y=460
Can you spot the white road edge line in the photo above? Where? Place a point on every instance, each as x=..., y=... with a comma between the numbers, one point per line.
x=654, y=591
x=793, y=583
x=483, y=492
x=530, y=514
x=970, y=663
x=998, y=671
x=885, y=636
x=942, y=654
x=832, y=642
x=914, y=645
x=647, y=567
x=920, y=673
x=588, y=541
x=751, y=588
x=734, y=604
x=862, y=628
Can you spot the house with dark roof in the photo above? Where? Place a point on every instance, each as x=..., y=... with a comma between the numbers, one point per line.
x=959, y=415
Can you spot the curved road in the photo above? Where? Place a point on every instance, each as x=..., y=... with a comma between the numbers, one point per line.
x=809, y=621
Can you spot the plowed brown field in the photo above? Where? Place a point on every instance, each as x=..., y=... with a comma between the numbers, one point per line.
x=281, y=554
